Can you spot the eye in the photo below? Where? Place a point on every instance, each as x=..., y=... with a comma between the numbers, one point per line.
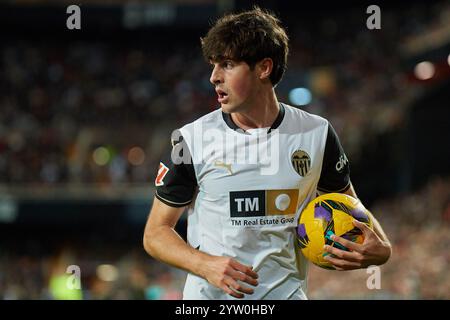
x=228, y=64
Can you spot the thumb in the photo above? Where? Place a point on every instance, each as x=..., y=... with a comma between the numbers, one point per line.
x=361, y=226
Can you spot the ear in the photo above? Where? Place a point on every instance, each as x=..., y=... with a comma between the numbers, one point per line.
x=265, y=67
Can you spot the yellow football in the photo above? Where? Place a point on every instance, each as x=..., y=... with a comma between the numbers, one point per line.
x=331, y=213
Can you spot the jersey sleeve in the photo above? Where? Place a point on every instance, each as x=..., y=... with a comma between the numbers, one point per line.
x=335, y=175
x=176, y=182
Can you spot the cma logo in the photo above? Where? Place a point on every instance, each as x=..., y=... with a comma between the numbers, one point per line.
x=341, y=162
x=257, y=203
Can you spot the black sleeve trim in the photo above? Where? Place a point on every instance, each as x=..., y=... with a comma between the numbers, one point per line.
x=171, y=203
x=335, y=191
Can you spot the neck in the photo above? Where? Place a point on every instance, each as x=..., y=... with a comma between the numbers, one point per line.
x=261, y=114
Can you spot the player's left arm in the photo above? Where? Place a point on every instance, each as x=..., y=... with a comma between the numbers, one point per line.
x=335, y=177
x=376, y=225
x=375, y=250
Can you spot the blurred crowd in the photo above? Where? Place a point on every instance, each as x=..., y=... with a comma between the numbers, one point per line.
x=61, y=101
x=75, y=273
x=417, y=225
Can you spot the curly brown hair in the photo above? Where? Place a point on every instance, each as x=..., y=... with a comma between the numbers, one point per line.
x=249, y=36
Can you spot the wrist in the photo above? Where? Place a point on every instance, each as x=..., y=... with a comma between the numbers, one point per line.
x=387, y=251
x=200, y=262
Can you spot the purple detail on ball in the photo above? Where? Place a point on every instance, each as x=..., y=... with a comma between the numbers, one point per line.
x=302, y=237
x=352, y=235
x=301, y=231
x=359, y=215
x=321, y=213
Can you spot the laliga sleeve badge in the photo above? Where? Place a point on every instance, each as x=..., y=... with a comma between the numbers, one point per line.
x=162, y=171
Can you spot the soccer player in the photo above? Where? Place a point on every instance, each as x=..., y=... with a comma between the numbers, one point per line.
x=248, y=169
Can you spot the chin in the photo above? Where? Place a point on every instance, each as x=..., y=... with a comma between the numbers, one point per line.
x=229, y=108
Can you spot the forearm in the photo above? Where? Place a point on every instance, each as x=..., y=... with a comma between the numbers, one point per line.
x=383, y=246
x=166, y=245
x=376, y=225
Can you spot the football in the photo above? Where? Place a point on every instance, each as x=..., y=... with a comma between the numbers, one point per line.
x=328, y=214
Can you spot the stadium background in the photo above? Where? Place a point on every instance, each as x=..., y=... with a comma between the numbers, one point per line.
x=85, y=115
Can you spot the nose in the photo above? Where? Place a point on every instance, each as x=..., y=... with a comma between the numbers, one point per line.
x=216, y=75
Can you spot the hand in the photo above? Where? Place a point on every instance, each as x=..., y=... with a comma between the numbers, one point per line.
x=224, y=273
x=373, y=251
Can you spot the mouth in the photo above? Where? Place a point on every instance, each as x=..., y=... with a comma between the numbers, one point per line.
x=222, y=96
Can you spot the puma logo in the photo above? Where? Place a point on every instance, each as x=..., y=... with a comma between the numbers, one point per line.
x=227, y=166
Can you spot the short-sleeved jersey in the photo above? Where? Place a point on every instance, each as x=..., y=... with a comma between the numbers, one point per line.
x=249, y=189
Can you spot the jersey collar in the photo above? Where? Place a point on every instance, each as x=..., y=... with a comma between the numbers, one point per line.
x=230, y=123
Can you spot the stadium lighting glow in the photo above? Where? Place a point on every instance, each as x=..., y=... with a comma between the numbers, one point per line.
x=101, y=156
x=424, y=70
x=136, y=156
x=107, y=272
x=300, y=96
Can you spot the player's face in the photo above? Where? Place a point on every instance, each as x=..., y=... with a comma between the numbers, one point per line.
x=235, y=84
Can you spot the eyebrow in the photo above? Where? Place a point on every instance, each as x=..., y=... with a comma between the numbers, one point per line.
x=220, y=58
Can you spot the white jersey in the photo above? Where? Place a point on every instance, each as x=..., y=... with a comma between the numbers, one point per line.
x=251, y=187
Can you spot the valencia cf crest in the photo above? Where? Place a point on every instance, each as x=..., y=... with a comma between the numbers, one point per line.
x=301, y=162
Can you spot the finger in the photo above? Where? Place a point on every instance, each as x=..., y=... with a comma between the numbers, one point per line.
x=244, y=269
x=342, y=264
x=237, y=275
x=362, y=226
x=231, y=292
x=353, y=246
x=341, y=254
x=237, y=286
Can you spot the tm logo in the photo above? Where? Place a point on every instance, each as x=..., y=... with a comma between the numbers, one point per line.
x=247, y=203
x=258, y=203
x=250, y=204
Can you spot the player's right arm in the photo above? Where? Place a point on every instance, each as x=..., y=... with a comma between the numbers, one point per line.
x=163, y=243
x=175, y=188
